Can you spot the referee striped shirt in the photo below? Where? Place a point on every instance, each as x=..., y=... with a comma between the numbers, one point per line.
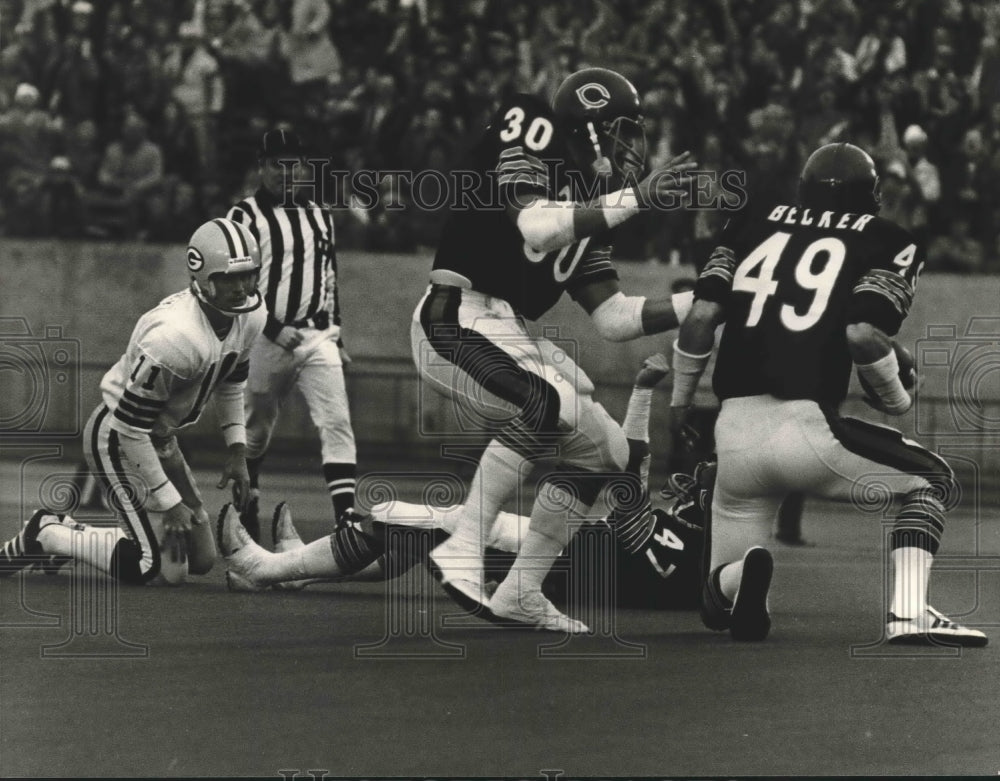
x=298, y=260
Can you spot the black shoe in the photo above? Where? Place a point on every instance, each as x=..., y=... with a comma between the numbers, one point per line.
x=716, y=610
x=24, y=550
x=750, y=619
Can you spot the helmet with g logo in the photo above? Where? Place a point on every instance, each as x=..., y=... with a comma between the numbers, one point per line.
x=600, y=109
x=221, y=246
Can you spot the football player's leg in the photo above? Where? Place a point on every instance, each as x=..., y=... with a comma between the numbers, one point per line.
x=269, y=381
x=595, y=449
x=876, y=463
x=321, y=380
x=490, y=368
x=745, y=498
x=132, y=553
x=347, y=551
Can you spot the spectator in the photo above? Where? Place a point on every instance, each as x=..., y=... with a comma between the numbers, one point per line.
x=968, y=191
x=899, y=202
x=313, y=60
x=131, y=174
x=198, y=87
x=61, y=203
x=76, y=78
x=924, y=174
x=28, y=138
x=956, y=251
x=82, y=147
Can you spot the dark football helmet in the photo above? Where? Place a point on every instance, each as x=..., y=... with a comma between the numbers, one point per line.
x=600, y=110
x=840, y=177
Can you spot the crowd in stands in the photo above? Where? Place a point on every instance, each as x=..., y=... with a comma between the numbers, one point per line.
x=136, y=118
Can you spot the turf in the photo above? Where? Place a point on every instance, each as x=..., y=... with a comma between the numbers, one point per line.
x=340, y=678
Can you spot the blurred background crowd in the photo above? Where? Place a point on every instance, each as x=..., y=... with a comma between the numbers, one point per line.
x=136, y=118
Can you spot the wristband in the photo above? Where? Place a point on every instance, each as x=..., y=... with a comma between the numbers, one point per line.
x=636, y=424
x=883, y=378
x=687, y=371
x=619, y=206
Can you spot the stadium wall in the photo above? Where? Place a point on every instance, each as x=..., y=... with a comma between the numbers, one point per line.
x=77, y=302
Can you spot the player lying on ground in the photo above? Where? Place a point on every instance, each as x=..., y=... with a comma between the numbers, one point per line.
x=805, y=291
x=194, y=345
x=656, y=551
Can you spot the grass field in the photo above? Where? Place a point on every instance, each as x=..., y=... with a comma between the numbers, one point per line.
x=210, y=683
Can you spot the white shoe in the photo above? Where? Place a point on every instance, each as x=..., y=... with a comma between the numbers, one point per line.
x=533, y=609
x=286, y=537
x=932, y=628
x=243, y=555
x=460, y=573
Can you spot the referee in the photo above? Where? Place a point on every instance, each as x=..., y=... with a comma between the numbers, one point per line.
x=301, y=345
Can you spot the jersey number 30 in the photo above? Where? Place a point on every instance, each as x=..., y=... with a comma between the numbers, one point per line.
x=536, y=136
x=763, y=285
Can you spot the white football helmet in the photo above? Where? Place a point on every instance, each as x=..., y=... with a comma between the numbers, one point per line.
x=222, y=246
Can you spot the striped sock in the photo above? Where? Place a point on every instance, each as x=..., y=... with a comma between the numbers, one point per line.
x=340, y=482
x=12, y=557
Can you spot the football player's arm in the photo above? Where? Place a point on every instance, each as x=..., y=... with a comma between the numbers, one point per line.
x=548, y=225
x=143, y=398
x=619, y=318
x=879, y=302
x=632, y=513
x=696, y=338
x=229, y=405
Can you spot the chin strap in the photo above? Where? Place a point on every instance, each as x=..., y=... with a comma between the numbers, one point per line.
x=256, y=298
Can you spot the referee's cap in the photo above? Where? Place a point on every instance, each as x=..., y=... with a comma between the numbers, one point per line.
x=280, y=143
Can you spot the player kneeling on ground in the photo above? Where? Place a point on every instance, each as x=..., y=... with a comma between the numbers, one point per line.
x=806, y=291
x=193, y=345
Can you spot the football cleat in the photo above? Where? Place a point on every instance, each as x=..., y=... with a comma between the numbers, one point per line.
x=241, y=553
x=286, y=537
x=746, y=617
x=250, y=517
x=750, y=619
x=533, y=610
x=716, y=609
x=24, y=550
x=464, y=584
x=931, y=628
x=283, y=532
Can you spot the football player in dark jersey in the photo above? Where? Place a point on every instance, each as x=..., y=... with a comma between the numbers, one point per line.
x=656, y=552
x=806, y=291
x=546, y=185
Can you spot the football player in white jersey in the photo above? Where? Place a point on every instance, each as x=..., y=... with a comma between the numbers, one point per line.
x=193, y=345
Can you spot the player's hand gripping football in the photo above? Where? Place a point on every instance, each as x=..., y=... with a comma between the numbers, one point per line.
x=236, y=470
x=668, y=185
x=654, y=368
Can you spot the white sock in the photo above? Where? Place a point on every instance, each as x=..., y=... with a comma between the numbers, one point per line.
x=729, y=579
x=533, y=563
x=92, y=545
x=911, y=576
x=547, y=535
x=496, y=480
x=314, y=560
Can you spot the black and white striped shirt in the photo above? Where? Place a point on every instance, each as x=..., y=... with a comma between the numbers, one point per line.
x=298, y=260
